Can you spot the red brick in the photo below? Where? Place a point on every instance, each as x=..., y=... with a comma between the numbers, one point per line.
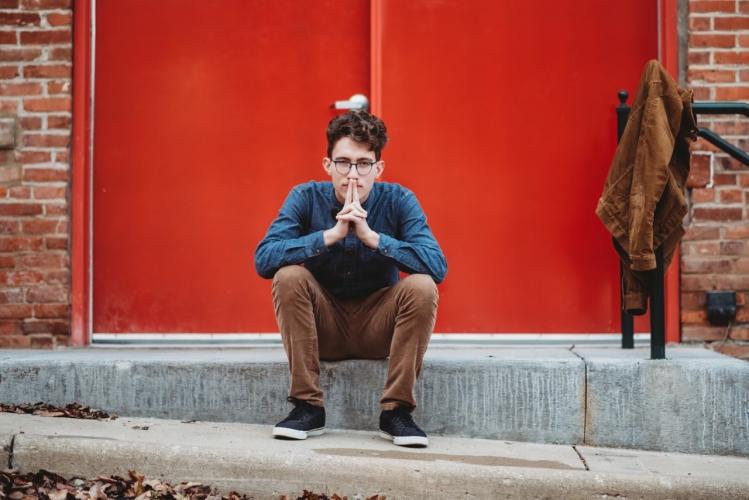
x=9, y=106
x=51, y=310
x=19, y=54
x=47, y=104
x=24, y=278
x=20, y=209
x=45, y=193
x=700, y=23
x=8, y=37
x=737, y=350
x=701, y=248
x=59, y=18
x=735, y=23
x=696, y=282
x=62, y=156
x=734, y=247
x=16, y=311
x=692, y=300
x=58, y=87
x=694, y=318
x=696, y=58
x=699, y=171
x=30, y=122
x=703, y=195
x=10, y=327
x=8, y=72
x=19, y=19
x=724, y=179
x=26, y=157
x=57, y=278
x=11, y=295
x=8, y=226
x=692, y=333
x=717, y=213
x=9, y=341
x=712, y=75
x=743, y=40
x=56, y=243
x=60, y=54
x=7, y=262
x=45, y=4
x=47, y=71
x=42, y=340
x=20, y=192
x=46, y=326
x=46, y=294
x=743, y=180
x=10, y=173
x=728, y=163
x=20, y=89
x=732, y=93
x=712, y=6
x=55, y=209
x=694, y=265
x=3, y=190
x=8, y=4
x=731, y=196
x=46, y=140
x=731, y=282
x=38, y=226
x=16, y=243
x=697, y=232
x=46, y=37
x=44, y=174
x=739, y=57
x=54, y=121
x=701, y=40
x=43, y=260
x=742, y=265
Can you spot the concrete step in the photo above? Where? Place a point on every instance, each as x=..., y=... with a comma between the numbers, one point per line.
x=244, y=458
x=697, y=401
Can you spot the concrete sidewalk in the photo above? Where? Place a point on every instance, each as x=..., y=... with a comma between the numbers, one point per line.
x=244, y=458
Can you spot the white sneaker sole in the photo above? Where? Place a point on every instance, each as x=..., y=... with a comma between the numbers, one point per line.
x=405, y=440
x=295, y=434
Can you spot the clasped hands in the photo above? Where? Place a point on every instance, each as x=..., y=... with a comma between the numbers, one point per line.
x=352, y=215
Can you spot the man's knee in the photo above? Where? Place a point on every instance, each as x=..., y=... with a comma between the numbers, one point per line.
x=422, y=286
x=290, y=276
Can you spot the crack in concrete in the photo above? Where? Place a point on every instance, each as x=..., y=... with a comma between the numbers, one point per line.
x=10, y=451
x=585, y=395
x=582, y=458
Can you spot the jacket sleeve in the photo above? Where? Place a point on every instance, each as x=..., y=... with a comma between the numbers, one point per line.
x=418, y=250
x=285, y=242
x=650, y=176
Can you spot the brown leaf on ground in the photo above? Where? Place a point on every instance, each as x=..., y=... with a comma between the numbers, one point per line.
x=72, y=410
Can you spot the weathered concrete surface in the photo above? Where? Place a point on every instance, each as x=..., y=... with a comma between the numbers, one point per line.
x=694, y=401
x=519, y=394
x=244, y=458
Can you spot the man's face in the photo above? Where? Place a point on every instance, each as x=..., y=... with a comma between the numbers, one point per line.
x=348, y=149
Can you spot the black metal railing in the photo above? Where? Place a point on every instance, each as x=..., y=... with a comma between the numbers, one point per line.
x=655, y=277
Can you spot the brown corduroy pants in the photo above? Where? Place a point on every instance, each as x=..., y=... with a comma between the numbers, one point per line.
x=394, y=321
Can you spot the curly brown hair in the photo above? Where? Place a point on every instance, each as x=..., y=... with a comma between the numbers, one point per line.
x=361, y=126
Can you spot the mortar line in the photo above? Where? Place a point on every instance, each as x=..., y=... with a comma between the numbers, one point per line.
x=585, y=394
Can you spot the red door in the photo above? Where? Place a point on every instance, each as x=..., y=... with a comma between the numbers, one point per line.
x=501, y=120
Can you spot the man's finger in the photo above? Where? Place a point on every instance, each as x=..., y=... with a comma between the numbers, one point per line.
x=349, y=195
x=355, y=199
x=353, y=206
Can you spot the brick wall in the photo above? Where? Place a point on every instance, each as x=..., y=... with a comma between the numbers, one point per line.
x=715, y=252
x=35, y=125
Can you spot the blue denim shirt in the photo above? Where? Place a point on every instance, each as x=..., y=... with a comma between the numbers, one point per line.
x=348, y=268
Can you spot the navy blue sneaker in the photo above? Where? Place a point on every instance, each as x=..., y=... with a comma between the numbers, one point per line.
x=399, y=427
x=304, y=420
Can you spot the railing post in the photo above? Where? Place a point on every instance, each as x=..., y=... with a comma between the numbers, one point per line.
x=657, y=309
x=626, y=320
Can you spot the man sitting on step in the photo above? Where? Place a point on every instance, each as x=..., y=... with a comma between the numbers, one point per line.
x=334, y=252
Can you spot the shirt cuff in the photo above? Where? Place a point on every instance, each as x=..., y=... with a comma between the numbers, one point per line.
x=388, y=246
x=314, y=244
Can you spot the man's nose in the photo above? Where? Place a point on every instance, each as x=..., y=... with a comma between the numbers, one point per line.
x=353, y=173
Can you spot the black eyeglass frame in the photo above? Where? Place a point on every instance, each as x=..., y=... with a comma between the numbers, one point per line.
x=356, y=164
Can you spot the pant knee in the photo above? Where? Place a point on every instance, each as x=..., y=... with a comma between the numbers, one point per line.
x=421, y=286
x=290, y=278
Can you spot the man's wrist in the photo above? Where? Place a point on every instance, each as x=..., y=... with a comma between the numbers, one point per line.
x=372, y=240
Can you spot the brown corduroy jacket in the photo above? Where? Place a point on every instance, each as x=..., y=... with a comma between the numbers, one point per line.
x=643, y=201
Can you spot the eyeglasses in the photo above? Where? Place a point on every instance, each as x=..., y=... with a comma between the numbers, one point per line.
x=344, y=166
